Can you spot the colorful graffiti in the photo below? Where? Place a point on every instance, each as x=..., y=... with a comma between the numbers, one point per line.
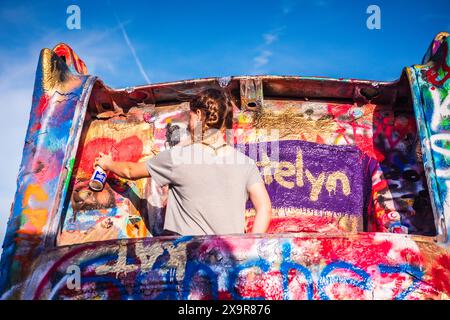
x=376, y=135
x=349, y=177
x=120, y=209
x=328, y=185
x=52, y=127
x=296, y=267
x=123, y=209
x=430, y=84
x=385, y=133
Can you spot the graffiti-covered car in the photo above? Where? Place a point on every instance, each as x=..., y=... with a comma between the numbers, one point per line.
x=357, y=171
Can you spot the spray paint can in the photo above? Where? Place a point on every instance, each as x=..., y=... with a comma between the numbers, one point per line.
x=98, y=179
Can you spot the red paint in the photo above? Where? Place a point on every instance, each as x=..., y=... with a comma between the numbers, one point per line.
x=440, y=274
x=224, y=295
x=42, y=105
x=411, y=257
x=256, y=285
x=298, y=224
x=344, y=118
x=363, y=253
x=129, y=150
x=441, y=64
x=386, y=127
x=91, y=150
x=36, y=127
x=71, y=58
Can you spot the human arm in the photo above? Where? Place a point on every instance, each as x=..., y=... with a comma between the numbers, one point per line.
x=263, y=207
x=127, y=170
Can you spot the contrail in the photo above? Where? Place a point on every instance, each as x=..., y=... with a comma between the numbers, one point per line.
x=133, y=51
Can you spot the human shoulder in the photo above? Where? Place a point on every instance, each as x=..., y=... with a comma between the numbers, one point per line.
x=242, y=158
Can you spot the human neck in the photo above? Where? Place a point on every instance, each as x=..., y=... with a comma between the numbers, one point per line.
x=214, y=139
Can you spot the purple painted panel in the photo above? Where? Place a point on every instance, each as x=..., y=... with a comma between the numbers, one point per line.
x=300, y=174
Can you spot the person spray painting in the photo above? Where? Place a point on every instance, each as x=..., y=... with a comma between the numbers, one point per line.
x=209, y=181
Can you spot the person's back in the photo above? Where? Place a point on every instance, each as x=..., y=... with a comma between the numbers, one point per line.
x=207, y=190
x=209, y=181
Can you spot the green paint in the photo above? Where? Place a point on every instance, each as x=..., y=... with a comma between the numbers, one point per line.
x=69, y=173
x=445, y=123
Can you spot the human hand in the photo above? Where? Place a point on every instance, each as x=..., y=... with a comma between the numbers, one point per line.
x=104, y=161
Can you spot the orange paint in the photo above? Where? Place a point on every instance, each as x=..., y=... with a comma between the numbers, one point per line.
x=36, y=191
x=137, y=230
x=36, y=217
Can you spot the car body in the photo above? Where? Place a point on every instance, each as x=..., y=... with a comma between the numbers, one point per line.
x=343, y=228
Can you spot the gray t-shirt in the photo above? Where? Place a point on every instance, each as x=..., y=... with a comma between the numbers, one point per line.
x=207, y=192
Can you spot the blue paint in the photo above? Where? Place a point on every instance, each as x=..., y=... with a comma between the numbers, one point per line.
x=413, y=271
x=324, y=280
x=234, y=274
x=194, y=267
x=288, y=265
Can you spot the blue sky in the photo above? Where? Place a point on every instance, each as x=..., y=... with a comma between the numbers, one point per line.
x=174, y=40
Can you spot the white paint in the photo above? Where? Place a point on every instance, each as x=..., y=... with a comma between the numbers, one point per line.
x=442, y=137
x=441, y=109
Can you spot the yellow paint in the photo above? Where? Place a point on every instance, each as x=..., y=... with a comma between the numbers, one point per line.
x=267, y=166
x=332, y=181
x=316, y=184
x=281, y=170
x=285, y=169
x=299, y=167
x=36, y=218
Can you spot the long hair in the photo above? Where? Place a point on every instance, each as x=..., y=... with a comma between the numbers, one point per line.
x=216, y=109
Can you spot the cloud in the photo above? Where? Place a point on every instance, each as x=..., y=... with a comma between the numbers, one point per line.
x=262, y=59
x=265, y=50
x=270, y=37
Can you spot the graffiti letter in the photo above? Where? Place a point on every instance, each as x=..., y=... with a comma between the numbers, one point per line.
x=332, y=183
x=325, y=280
x=74, y=20
x=267, y=166
x=73, y=281
x=316, y=185
x=287, y=265
x=374, y=20
x=284, y=169
x=148, y=254
x=120, y=266
x=299, y=167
